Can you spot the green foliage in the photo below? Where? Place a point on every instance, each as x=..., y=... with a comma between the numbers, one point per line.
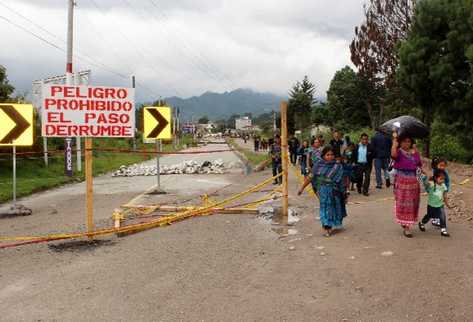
x=436, y=63
x=230, y=124
x=253, y=157
x=265, y=122
x=301, y=102
x=5, y=88
x=204, y=120
x=346, y=101
x=355, y=135
x=447, y=145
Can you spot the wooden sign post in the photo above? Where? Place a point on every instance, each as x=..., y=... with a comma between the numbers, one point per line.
x=285, y=163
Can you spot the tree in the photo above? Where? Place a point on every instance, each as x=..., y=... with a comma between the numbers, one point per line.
x=204, y=120
x=436, y=64
x=373, y=50
x=5, y=88
x=231, y=121
x=346, y=100
x=301, y=102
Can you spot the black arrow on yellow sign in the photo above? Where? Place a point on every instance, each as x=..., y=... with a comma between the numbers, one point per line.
x=162, y=123
x=21, y=124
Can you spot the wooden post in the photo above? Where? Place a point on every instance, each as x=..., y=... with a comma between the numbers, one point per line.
x=89, y=186
x=285, y=163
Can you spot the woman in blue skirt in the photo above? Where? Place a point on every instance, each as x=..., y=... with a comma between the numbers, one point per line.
x=327, y=175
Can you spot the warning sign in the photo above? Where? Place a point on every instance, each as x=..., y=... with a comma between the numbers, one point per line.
x=157, y=123
x=69, y=111
x=16, y=124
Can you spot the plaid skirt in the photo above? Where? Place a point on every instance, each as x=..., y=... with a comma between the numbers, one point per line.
x=407, y=196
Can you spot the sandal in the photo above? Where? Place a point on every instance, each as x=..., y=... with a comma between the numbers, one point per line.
x=408, y=234
x=421, y=226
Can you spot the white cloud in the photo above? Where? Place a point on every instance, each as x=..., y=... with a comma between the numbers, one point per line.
x=186, y=47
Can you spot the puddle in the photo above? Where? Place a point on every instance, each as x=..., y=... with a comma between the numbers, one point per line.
x=284, y=231
x=80, y=246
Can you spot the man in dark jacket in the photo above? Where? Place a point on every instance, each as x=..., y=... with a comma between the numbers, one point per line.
x=293, y=149
x=363, y=157
x=382, y=153
x=337, y=143
x=276, y=160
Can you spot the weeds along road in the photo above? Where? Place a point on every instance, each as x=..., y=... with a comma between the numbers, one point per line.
x=237, y=267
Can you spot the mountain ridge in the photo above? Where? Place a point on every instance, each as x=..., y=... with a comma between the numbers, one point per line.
x=223, y=105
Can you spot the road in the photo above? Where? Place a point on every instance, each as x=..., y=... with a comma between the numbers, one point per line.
x=240, y=267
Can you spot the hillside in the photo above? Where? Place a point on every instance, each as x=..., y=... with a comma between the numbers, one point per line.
x=222, y=106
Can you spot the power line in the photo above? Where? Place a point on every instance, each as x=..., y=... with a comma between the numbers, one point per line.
x=198, y=55
x=82, y=57
x=139, y=52
x=191, y=60
x=32, y=34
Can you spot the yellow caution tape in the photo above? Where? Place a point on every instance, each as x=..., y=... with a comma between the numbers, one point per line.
x=144, y=226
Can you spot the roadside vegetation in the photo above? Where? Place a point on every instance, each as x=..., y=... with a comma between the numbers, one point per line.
x=254, y=158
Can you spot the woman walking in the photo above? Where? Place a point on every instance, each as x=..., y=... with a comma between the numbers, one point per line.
x=327, y=174
x=407, y=161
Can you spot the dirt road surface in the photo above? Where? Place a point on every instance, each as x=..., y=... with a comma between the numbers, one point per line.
x=234, y=267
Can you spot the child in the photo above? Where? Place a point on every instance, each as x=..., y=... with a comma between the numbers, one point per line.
x=437, y=199
x=440, y=164
x=348, y=166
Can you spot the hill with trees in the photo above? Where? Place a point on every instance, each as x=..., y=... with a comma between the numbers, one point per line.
x=223, y=105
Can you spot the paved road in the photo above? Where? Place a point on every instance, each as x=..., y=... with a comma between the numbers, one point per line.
x=240, y=268
x=62, y=209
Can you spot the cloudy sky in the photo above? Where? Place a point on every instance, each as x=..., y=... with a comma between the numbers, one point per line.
x=181, y=47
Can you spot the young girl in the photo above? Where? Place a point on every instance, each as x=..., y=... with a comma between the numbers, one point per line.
x=440, y=164
x=437, y=200
x=348, y=165
x=327, y=174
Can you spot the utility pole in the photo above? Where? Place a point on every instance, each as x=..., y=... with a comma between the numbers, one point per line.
x=70, y=40
x=285, y=163
x=88, y=141
x=133, y=85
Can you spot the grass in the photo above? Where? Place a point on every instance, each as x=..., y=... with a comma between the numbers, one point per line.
x=34, y=176
x=252, y=157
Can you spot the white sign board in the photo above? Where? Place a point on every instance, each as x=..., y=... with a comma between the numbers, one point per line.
x=79, y=78
x=87, y=111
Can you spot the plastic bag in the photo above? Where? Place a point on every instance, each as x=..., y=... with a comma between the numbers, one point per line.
x=406, y=126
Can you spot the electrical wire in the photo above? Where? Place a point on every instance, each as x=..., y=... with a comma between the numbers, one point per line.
x=198, y=55
x=80, y=56
x=189, y=57
x=140, y=52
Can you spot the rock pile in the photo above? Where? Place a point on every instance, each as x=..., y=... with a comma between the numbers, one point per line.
x=187, y=167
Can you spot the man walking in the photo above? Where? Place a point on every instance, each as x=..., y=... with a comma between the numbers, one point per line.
x=363, y=156
x=293, y=149
x=276, y=160
x=337, y=143
x=382, y=153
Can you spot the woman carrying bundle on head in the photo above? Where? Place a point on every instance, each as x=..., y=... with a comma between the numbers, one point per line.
x=407, y=164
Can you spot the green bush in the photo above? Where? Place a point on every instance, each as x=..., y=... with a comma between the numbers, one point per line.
x=449, y=147
x=356, y=134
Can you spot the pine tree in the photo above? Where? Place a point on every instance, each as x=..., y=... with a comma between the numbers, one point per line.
x=301, y=102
